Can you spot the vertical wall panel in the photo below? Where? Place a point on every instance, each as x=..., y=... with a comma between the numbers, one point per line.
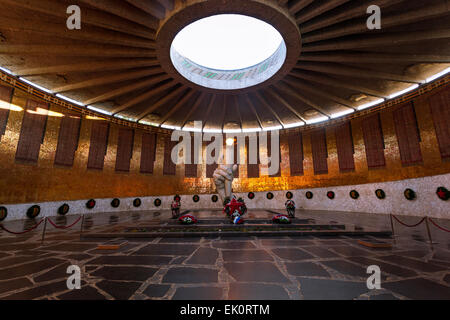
x=440, y=110
x=269, y=153
x=98, y=145
x=374, y=141
x=125, y=145
x=210, y=168
x=296, y=157
x=319, y=151
x=190, y=170
x=69, y=134
x=32, y=132
x=169, y=168
x=408, y=135
x=236, y=160
x=345, y=147
x=5, y=99
x=252, y=169
x=148, y=152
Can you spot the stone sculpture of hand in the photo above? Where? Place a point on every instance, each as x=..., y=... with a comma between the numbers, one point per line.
x=223, y=179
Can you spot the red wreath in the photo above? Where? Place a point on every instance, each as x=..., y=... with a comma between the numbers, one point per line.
x=232, y=206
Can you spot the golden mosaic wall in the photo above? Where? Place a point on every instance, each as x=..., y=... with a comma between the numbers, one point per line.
x=24, y=183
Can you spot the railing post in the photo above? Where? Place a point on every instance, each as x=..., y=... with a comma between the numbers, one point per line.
x=429, y=232
x=43, y=231
x=81, y=228
x=392, y=226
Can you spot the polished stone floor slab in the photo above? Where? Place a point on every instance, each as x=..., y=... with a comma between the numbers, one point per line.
x=317, y=289
x=255, y=272
x=254, y=291
x=306, y=269
x=198, y=293
x=190, y=275
x=220, y=267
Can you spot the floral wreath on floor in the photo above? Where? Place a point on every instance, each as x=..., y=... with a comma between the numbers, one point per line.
x=281, y=219
x=187, y=219
x=235, y=210
x=290, y=208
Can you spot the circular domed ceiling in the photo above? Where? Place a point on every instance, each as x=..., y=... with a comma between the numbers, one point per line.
x=120, y=63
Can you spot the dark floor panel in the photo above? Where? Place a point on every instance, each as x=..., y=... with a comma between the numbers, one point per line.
x=419, y=289
x=317, y=289
x=130, y=260
x=39, y=291
x=59, y=272
x=207, y=256
x=85, y=293
x=346, y=268
x=119, y=290
x=180, y=240
x=125, y=273
x=307, y=269
x=156, y=290
x=71, y=247
x=190, y=275
x=28, y=268
x=255, y=272
x=286, y=243
x=234, y=245
x=11, y=285
x=292, y=254
x=246, y=255
x=167, y=249
x=198, y=293
x=350, y=251
x=384, y=267
x=414, y=264
x=321, y=252
x=253, y=291
x=384, y=296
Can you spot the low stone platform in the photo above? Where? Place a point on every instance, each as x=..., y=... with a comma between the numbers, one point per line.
x=213, y=224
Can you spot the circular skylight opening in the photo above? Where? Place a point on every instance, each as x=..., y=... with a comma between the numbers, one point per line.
x=228, y=51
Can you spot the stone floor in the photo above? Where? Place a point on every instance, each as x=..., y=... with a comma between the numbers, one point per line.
x=224, y=268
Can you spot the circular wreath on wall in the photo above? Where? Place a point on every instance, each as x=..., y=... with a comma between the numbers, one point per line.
x=289, y=195
x=380, y=194
x=214, y=198
x=251, y=195
x=177, y=198
x=137, y=202
x=115, y=203
x=330, y=195
x=33, y=211
x=443, y=193
x=90, y=204
x=64, y=209
x=410, y=194
x=269, y=195
x=196, y=198
x=309, y=195
x=354, y=194
x=157, y=202
x=3, y=213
